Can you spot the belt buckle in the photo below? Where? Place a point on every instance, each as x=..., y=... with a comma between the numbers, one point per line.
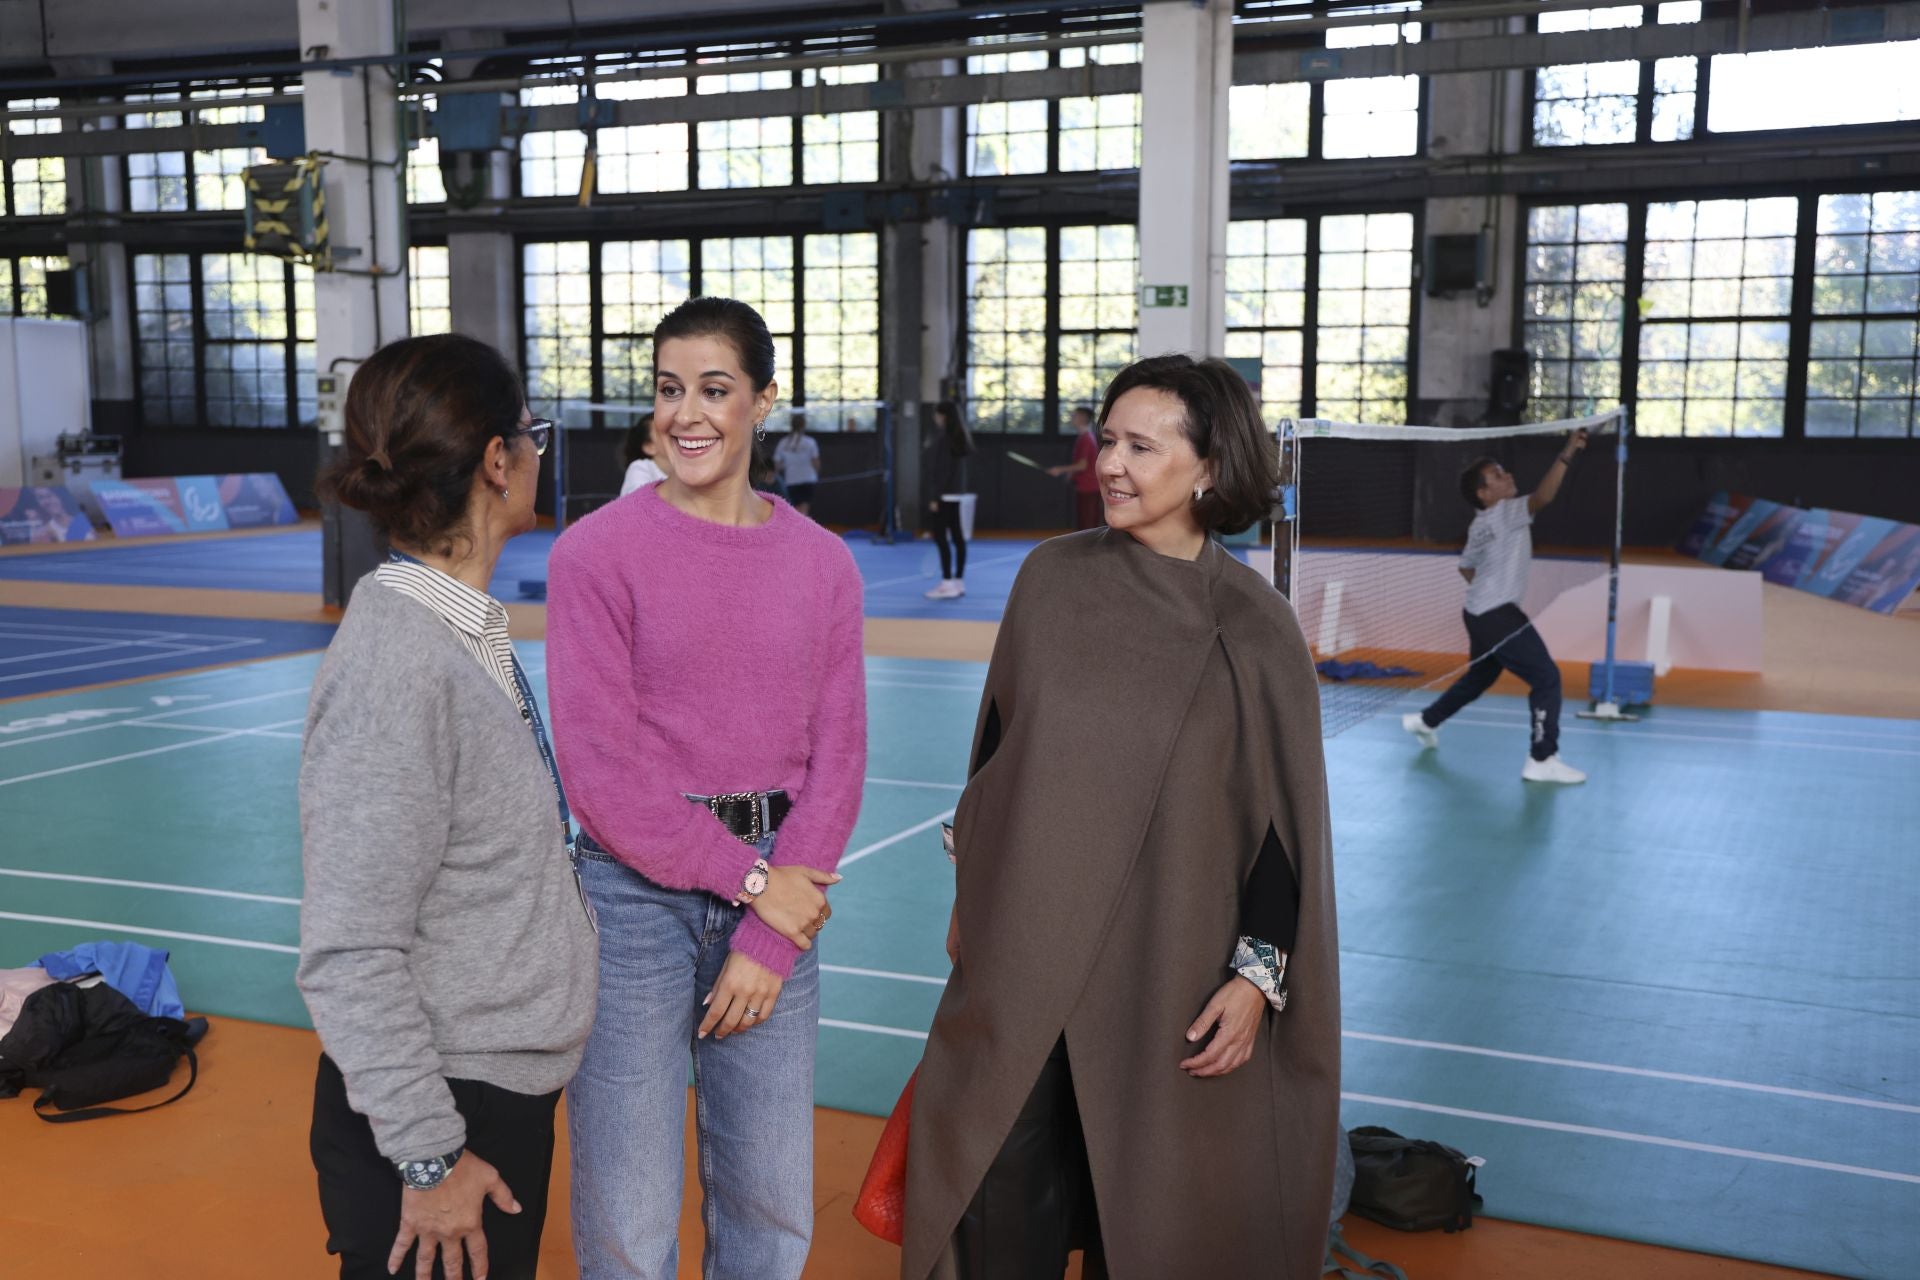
x=752, y=800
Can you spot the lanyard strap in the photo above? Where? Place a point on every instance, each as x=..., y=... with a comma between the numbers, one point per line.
x=530, y=712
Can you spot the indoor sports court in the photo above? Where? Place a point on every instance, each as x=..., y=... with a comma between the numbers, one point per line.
x=1660, y=264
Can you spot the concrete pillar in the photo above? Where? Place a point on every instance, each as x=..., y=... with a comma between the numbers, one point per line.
x=363, y=304
x=1470, y=116
x=482, y=269
x=95, y=188
x=1184, y=80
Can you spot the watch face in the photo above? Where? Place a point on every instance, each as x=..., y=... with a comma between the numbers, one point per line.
x=424, y=1175
x=756, y=882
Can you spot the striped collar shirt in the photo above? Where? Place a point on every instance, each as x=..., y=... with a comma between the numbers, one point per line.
x=476, y=617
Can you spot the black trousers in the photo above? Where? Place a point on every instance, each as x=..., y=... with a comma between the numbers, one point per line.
x=1525, y=654
x=1036, y=1203
x=946, y=524
x=360, y=1189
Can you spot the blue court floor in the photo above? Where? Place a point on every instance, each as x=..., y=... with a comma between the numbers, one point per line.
x=1673, y=1005
x=896, y=573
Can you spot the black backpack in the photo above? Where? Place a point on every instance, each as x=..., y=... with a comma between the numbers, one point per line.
x=82, y=1046
x=1412, y=1185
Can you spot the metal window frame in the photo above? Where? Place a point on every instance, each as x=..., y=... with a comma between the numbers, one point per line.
x=1799, y=317
x=795, y=392
x=194, y=252
x=1629, y=283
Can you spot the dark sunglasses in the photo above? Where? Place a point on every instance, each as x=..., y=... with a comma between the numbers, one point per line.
x=538, y=430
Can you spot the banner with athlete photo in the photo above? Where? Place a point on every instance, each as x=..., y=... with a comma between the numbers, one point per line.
x=1876, y=567
x=1723, y=509
x=1867, y=561
x=42, y=515
x=162, y=505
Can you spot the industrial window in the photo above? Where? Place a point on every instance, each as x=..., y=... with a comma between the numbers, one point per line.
x=23, y=284
x=1861, y=375
x=223, y=339
x=1267, y=296
x=1073, y=135
x=1600, y=103
x=35, y=185
x=1364, y=316
x=1052, y=315
x=1716, y=304
x=429, y=298
x=590, y=308
x=1574, y=304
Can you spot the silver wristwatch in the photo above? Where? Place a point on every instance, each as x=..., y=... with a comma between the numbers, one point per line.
x=425, y=1175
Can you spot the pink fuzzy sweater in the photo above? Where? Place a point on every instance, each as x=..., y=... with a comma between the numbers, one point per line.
x=689, y=658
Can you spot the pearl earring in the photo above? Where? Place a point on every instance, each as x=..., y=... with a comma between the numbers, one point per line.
x=503, y=492
x=1199, y=492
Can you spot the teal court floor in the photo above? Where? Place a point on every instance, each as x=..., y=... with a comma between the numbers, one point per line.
x=1674, y=1005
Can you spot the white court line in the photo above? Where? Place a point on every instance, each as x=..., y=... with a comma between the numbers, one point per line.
x=156, y=716
x=111, y=927
x=909, y=782
x=927, y=577
x=895, y=838
x=1621, y=1135
x=871, y=1029
x=973, y=689
x=222, y=728
x=1477, y=723
x=1716, y=1082
x=148, y=884
x=136, y=755
x=882, y=973
x=1713, y=1081
x=1660, y=719
x=181, y=652
x=58, y=631
x=69, y=652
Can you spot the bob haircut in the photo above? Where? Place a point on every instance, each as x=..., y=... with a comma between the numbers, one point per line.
x=1223, y=425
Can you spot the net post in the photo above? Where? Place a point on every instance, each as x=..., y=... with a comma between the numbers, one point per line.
x=1286, y=516
x=889, y=518
x=1608, y=708
x=560, y=469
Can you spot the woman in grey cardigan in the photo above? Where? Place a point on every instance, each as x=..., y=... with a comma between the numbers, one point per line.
x=446, y=953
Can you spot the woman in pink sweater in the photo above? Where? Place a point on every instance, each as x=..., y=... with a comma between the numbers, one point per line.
x=709, y=708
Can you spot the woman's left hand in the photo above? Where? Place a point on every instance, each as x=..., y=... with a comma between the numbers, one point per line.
x=742, y=999
x=1234, y=1013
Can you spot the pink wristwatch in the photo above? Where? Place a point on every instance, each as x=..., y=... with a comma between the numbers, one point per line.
x=755, y=883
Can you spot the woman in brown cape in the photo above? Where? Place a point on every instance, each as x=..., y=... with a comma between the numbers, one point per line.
x=1138, y=1052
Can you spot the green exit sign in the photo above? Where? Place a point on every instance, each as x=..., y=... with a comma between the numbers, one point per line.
x=1163, y=295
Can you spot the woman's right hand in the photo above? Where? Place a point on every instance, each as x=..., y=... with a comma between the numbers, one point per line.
x=793, y=902
x=446, y=1220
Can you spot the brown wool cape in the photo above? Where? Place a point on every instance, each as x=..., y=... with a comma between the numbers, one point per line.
x=1155, y=716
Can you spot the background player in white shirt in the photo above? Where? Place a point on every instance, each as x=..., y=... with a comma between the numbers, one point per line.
x=1499, y=633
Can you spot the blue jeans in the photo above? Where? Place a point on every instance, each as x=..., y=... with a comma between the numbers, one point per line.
x=661, y=951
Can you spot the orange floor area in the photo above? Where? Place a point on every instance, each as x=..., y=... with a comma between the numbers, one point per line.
x=219, y=1187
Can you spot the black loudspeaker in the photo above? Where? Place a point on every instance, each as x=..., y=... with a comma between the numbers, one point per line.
x=1509, y=373
x=67, y=294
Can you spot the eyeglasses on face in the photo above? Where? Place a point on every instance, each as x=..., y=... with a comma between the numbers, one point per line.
x=538, y=430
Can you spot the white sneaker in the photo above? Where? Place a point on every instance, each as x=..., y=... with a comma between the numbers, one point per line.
x=1419, y=728
x=1552, y=769
x=949, y=589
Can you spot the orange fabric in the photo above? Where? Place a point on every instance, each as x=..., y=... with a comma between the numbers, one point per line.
x=881, y=1206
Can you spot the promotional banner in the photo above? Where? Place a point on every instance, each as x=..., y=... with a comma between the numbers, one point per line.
x=41, y=515
x=193, y=504
x=1813, y=540
x=1866, y=561
x=1722, y=510
x=1763, y=538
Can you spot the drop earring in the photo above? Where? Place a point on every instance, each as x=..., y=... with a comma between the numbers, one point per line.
x=503, y=493
x=760, y=430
